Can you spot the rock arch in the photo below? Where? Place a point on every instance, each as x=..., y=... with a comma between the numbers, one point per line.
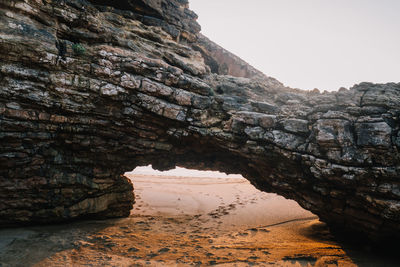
x=151, y=90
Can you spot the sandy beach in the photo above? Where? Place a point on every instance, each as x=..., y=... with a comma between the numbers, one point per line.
x=181, y=221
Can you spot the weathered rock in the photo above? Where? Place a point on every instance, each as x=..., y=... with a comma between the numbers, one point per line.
x=373, y=134
x=295, y=125
x=145, y=91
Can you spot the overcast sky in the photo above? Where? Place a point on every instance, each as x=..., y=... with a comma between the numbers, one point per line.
x=308, y=44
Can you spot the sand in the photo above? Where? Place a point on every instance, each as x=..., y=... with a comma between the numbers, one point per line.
x=231, y=201
x=181, y=221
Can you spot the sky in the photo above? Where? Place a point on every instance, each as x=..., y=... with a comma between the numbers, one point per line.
x=307, y=44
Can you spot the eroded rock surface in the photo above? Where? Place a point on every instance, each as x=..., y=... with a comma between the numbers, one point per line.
x=91, y=89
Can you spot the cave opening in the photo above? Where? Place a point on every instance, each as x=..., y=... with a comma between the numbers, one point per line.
x=212, y=196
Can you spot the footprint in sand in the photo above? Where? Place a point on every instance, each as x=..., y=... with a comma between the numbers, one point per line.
x=163, y=250
x=133, y=249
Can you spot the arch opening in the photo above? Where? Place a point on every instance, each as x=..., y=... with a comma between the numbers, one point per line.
x=228, y=199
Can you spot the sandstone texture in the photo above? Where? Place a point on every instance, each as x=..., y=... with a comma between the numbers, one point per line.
x=92, y=89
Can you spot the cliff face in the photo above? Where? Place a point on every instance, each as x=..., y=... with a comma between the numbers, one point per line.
x=89, y=90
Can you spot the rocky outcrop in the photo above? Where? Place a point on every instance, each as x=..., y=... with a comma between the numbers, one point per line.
x=89, y=90
x=224, y=62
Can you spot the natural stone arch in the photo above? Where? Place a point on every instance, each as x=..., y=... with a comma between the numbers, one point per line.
x=150, y=90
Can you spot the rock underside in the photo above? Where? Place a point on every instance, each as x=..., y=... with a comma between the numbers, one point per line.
x=92, y=89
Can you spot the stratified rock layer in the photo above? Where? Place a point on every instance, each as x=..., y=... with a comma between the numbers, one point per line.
x=88, y=92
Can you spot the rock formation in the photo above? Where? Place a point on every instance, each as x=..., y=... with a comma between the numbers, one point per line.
x=92, y=89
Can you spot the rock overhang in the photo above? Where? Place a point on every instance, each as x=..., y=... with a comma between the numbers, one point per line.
x=139, y=95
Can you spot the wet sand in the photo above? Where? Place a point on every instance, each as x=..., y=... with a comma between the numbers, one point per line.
x=181, y=221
